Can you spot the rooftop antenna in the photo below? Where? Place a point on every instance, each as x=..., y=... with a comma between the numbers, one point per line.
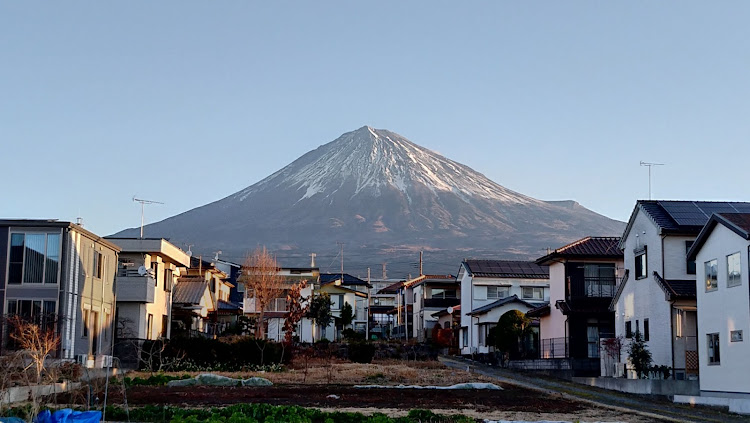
x=189, y=251
x=216, y=258
x=312, y=259
x=650, y=165
x=143, y=203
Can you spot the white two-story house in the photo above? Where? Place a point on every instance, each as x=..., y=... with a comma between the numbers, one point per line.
x=490, y=288
x=658, y=295
x=430, y=294
x=721, y=254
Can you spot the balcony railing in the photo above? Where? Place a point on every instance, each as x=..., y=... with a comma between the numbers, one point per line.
x=592, y=287
x=554, y=348
x=441, y=302
x=136, y=288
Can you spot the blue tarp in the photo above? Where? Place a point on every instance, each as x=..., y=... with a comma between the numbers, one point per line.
x=69, y=416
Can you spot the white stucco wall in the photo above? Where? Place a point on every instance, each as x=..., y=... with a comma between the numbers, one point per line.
x=722, y=311
x=643, y=298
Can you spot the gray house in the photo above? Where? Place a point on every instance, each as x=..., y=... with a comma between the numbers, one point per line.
x=63, y=277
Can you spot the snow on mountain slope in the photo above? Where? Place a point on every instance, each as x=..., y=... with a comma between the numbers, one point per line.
x=381, y=193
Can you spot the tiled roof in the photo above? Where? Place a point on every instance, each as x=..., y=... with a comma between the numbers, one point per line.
x=444, y=312
x=576, y=307
x=392, y=288
x=540, y=311
x=590, y=247
x=227, y=306
x=433, y=279
x=675, y=288
x=501, y=302
x=189, y=291
x=740, y=220
x=507, y=269
x=348, y=279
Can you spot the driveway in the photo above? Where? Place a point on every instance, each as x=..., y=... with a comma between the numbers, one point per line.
x=659, y=408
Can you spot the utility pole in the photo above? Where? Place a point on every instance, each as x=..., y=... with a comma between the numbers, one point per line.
x=385, y=273
x=143, y=203
x=341, y=244
x=420, y=263
x=650, y=165
x=312, y=259
x=367, y=309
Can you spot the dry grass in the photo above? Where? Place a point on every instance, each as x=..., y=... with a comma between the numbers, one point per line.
x=380, y=372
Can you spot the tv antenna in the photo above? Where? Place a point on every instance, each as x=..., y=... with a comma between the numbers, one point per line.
x=650, y=165
x=143, y=203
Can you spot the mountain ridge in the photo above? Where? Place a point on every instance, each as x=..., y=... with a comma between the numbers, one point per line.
x=379, y=191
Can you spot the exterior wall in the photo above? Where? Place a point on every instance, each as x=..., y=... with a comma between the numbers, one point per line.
x=643, y=298
x=721, y=311
x=675, y=258
x=473, y=296
x=553, y=325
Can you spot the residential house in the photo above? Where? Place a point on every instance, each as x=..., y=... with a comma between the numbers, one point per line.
x=721, y=253
x=200, y=300
x=63, y=277
x=382, y=302
x=430, y=294
x=504, y=285
x=147, y=271
x=583, y=279
x=400, y=312
x=657, y=296
x=358, y=300
x=276, y=311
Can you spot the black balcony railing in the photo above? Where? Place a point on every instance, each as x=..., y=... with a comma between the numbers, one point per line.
x=554, y=348
x=592, y=287
x=441, y=302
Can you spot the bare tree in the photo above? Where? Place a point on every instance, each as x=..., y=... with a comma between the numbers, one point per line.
x=263, y=283
x=37, y=343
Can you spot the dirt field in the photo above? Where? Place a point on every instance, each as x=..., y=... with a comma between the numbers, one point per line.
x=512, y=403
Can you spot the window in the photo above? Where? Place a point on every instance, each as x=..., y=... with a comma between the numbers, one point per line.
x=628, y=329
x=533, y=293
x=711, y=275
x=36, y=311
x=149, y=326
x=168, y=276
x=712, y=341
x=641, y=263
x=164, y=323
x=107, y=325
x=465, y=335
x=443, y=293
x=85, y=324
x=733, y=270
x=34, y=258
x=690, y=264
x=97, y=265
x=645, y=329
x=599, y=280
x=497, y=292
x=337, y=301
x=155, y=271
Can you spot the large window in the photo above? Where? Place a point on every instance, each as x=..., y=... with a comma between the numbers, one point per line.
x=733, y=270
x=641, y=263
x=712, y=341
x=711, y=268
x=443, y=293
x=599, y=280
x=533, y=293
x=497, y=292
x=37, y=311
x=34, y=258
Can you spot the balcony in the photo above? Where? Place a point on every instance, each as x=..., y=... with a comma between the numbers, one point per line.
x=592, y=287
x=441, y=303
x=135, y=288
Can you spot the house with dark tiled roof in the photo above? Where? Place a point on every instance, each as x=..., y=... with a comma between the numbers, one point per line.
x=483, y=283
x=721, y=253
x=657, y=296
x=583, y=280
x=355, y=291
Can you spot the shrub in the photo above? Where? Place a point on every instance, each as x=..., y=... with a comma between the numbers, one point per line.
x=352, y=335
x=639, y=355
x=224, y=354
x=361, y=352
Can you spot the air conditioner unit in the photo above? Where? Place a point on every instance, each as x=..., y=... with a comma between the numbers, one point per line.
x=105, y=361
x=619, y=369
x=82, y=359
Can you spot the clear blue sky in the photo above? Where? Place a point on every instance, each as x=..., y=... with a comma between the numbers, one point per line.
x=187, y=102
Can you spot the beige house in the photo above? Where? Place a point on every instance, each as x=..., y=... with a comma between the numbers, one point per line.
x=147, y=272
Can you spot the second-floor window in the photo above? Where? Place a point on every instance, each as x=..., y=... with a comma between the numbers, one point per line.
x=711, y=275
x=599, y=280
x=641, y=263
x=497, y=292
x=733, y=270
x=443, y=293
x=97, y=264
x=34, y=258
x=533, y=293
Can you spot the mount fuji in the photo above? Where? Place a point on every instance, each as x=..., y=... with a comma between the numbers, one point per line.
x=386, y=199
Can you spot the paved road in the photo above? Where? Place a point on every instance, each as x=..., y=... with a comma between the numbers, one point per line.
x=656, y=407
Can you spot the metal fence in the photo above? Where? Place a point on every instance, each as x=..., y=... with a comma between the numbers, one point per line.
x=554, y=348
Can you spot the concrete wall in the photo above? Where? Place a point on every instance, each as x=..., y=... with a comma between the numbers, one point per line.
x=642, y=386
x=722, y=311
x=643, y=298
